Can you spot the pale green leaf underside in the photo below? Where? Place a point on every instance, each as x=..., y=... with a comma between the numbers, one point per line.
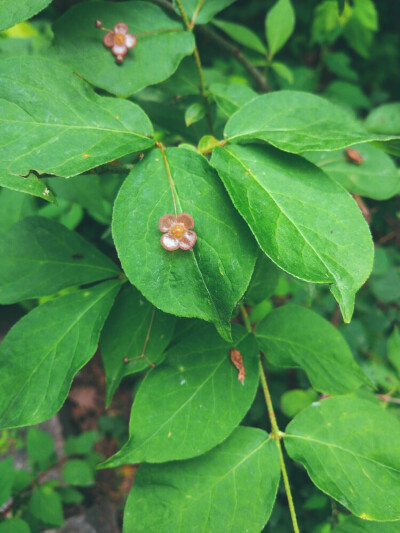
x=29, y=185
x=231, y=488
x=14, y=11
x=41, y=257
x=293, y=336
x=343, y=443
x=132, y=319
x=304, y=221
x=202, y=11
x=205, y=282
x=376, y=177
x=53, y=122
x=202, y=399
x=161, y=45
x=42, y=353
x=297, y=122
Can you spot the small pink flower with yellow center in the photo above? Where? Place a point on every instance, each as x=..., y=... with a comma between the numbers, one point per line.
x=119, y=41
x=177, y=232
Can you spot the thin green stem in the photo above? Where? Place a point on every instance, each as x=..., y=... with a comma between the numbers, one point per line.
x=168, y=170
x=203, y=92
x=276, y=434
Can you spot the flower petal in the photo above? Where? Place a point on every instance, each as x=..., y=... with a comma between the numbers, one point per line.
x=186, y=220
x=119, y=49
x=121, y=27
x=188, y=240
x=169, y=242
x=130, y=40
x=166, y=222
x=108, y=39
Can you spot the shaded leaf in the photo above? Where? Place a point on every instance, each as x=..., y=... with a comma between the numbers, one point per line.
x=352, y=524
x=300, y=217
x=78, y=473
x=279, y=25
x=231, y=488
x=297, y=122
x=283, y=71
x=194, y=113
x=135, y=336
x=202, y=399
x=45, y=504
x=161, y=45
x=295, y=400
x=42, y=353
x=375, y=177
x=384, y=119
x=55, y=123
x=204, y=282
x=41, y=257
x=229, y=97
x=15, y=206
x=12, y=12
x=394, y=349
x=264, y=280
x=293, y=336
x=241, y=34
x=7, y=479
x=14, y=525
x=40, y=448
x=202, y=11
x=82, y=444
x=343, y=443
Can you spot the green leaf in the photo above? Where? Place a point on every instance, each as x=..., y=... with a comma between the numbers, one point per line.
x=352, y=524
x=194, y=113
x=69, y=495
x=241, y=34
x=296, y=122
x=42, y=353
x=283, y=71
x=393, y=347
x=40, y=448
x=45, y=504
x=231, y=488
x=293, y=336
x=7, y=478
x=202, y=398
x=12, y=12
x=202, y=11
x=136, y=331
x=384, y=119
x=263, y=282
x=204, y=282
x=14, y=525
x=288, y=204
x=376, y=177
x=359, y=30
x=279, y=25
x=161, y=45
x=30, y=185
x=295, y=400
x=41, y=257
x=343, y=443
x=347, y=95
x=327, y=25
x=56, y=124
x=229, y=97
x=15, y=206
x=339, y=63
x=78, y=473
x=82, y=444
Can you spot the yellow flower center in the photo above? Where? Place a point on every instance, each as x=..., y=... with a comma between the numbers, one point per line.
x=178, y=231
x=119, y=38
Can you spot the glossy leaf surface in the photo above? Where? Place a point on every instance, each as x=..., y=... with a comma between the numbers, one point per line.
x=297, y=122
x=231, y=488
x=202, y=399
x=204, y=282
x=343, y=443
x=135, y=330
x=376, y=177
x=55, y=123
x=41, y=257
x=42, y=353
x=293, y=336
x=161, y=45
x=12, y=11
x=305, y=222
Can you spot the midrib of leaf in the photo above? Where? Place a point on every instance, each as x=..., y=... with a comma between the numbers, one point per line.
x=192, y=252
x=337, y=447
x=54, y=346
x=288, y=218
x=220, y=480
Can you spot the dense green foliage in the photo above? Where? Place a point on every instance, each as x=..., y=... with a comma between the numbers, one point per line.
x=263, y=354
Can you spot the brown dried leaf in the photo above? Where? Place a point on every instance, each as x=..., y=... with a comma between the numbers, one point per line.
x=354, y=156
x=237, y=360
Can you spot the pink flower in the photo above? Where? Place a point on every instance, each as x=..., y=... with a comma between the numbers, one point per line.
x=177, y=232
x=119, y=41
